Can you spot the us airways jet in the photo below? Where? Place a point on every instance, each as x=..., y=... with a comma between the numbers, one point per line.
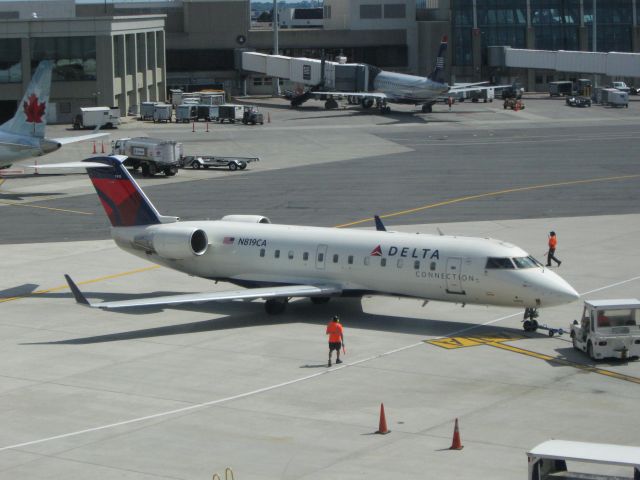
x=391, y=87
x=280, y=262
x=23, y=135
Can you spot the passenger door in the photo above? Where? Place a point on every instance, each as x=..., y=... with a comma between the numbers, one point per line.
x=454, y=272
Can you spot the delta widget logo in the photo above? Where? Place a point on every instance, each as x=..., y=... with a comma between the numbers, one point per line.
x=376, y=252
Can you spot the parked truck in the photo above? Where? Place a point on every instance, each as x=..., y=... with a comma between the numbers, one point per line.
x=608, y=329
x=209, y=161
x=251, y=115
x=91, y=117
x=151, y=155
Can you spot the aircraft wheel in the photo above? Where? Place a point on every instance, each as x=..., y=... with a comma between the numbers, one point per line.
x=426, y=108
x=527, y=325
x=320, y=300
x=534, y=325
x=275, y=306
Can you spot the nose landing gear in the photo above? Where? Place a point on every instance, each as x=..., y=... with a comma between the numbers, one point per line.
x=529, y=322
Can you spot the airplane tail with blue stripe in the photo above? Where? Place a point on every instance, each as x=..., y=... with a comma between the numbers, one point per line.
x=122, y=198
x=437, y=74
x=31, y=117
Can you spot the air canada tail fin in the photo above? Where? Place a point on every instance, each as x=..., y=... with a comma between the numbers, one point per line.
x=30, y=118
x=437, y=73
x=123, y=200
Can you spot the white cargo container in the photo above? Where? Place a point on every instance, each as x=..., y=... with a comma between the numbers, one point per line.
x=91, y=117
x=162, y=112
x=152, y=155
x=306, y=70
x=254, y=62
x=146, y=110
x=278, y=66
x=212, y=98
x=614, y=97
x=186, y=113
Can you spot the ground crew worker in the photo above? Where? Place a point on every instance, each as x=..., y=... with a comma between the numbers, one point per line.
x=553, y=242
x=336, y=339
x=450, y=102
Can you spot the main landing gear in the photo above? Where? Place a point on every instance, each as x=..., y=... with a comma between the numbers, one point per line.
x=529, y=322
x=427, y=107
x=381, y=104
x=274, y=306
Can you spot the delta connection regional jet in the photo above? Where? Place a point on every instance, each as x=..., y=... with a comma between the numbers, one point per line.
x=280, y=262
x=23, y=135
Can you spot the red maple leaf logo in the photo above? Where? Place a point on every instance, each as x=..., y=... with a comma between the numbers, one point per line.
x=33, y=109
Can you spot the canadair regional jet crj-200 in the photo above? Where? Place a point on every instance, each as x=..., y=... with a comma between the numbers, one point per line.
x=23, y=135
x=280, y=262
x=391, y=87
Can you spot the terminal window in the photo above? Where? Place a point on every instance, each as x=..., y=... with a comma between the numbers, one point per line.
x=370, y=11
x=395, y=10
x=75, y=57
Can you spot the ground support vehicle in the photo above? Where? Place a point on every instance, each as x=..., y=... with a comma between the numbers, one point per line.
x=162, y=112
x=186, y=113
x=608, y=329
x=564, y=87
x=91, y=117
x=252, y=116
x=151, y=155
x=513, y=104
x=207, y=112
x=230, y=112
x=209, y=161
x=621, y=86
x=577, y=101
x=486, y=95
x=146, y=110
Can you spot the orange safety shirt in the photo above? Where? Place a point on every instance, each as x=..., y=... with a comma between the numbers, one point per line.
x=334, y=330
x=553, y=241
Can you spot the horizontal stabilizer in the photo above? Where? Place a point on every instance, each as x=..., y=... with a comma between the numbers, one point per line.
x=70, y=165
x=79, y=138
x=246, y=294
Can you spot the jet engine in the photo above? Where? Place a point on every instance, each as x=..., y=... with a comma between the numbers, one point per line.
x=245, y=218
x=179, y=243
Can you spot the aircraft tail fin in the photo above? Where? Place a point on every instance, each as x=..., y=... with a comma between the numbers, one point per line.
x=437, y=73
x=122, y=198
x=30, y=117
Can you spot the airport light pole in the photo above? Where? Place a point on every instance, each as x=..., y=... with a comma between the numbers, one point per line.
x=274, y=21
x=593, y=27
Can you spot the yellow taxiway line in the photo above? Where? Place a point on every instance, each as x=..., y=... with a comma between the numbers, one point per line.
x=491, y=194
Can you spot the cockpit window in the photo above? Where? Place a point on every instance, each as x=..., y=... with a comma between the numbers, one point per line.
x=526, y=262
x=494, y=262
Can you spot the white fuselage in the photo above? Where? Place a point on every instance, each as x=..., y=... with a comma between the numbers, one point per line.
x=15, y=147
x=446, y=268
x=402, y=88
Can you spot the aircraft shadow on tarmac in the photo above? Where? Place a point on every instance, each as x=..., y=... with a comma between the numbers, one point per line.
x=19, y=291
x=251, y=314
x=24, y=196
x=397, y=117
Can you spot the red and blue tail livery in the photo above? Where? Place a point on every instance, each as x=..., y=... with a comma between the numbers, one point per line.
x=124, y=202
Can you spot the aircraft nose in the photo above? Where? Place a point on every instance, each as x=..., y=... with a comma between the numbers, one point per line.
x=559, y=291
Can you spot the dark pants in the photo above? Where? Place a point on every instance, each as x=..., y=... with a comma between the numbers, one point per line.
x=551, y=256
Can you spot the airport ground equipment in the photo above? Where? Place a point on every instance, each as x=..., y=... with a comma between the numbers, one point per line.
x=612, y=97
x=209, y=161
x=513, y=104
x=608, y=329
x=162, y=112
x=561, y=88
x=621, y=86
x=230, y=112
x=186, y=113
x=91, y=117
x=151, y=155
x=548, y=460
x=252, y=116
x=146, y=110
x=207, y=113
x=578, y=101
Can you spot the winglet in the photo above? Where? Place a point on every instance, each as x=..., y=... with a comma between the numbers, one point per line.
x=80, y=298
x=379, y=225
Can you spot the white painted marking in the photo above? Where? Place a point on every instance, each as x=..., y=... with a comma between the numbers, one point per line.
x=274, y=387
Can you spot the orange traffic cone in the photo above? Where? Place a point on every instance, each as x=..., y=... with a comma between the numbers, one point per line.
x=456, y=444
x=193, y=127
x=102, y=147
x=382, y=427
x=94, y=148
x=207, y=126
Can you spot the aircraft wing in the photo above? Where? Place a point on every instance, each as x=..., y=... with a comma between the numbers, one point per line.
x=353, y=94
x=473, y=87
x=80, y=138
x=244, y=294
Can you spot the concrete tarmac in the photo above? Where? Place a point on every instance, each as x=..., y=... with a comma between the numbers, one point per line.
x=182, y=393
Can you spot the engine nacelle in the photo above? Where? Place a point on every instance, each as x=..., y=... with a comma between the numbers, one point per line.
x=180, y=243
x=245, y=218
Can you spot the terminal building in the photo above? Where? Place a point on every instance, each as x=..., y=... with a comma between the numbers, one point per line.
x=123, y=53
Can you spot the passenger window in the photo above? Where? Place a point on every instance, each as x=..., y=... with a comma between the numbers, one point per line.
x=321, y=257
x=262, y=252
x=383, y=262
x=416, y=264
x=290, y=254
x=276, y=254
x=305, y=256
x=432, y=267
x=350, y=260
x=400, y=263
x=367, y=260
x=335, y=258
